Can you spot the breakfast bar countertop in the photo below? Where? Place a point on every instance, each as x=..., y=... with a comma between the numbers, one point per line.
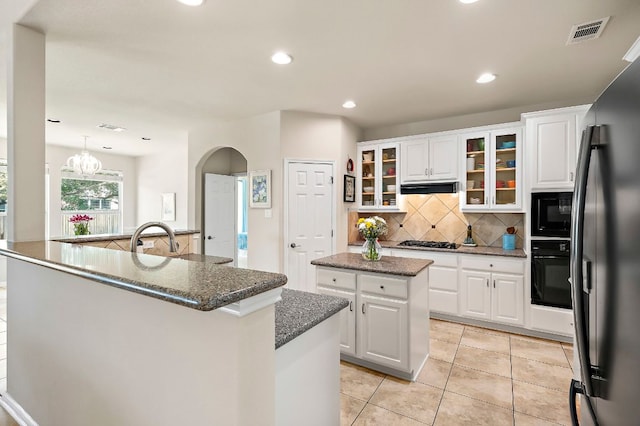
x=205, y=284
x=479, y=250
x=92, y=238
x=390, y=265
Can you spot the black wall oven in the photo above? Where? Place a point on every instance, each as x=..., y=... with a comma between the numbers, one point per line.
x=550, y=273
x=551, y=214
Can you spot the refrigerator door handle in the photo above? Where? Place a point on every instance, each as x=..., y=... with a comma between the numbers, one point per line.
x=575, y=389
x=577, y=228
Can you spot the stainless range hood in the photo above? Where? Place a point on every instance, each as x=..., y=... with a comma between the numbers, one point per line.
x=430, y=188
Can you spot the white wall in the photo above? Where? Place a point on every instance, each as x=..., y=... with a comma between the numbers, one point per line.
x=463, y=121
x=56, y=157
x=3, y=148
x=258, y=140
x=225, y=161
x=309, y=136
x=160, y=173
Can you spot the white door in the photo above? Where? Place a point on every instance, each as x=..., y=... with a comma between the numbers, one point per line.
x=309, y=221
x=508, y=298
x=475, y=294
x=220, y=215
x=383, y=327
x=443, y=158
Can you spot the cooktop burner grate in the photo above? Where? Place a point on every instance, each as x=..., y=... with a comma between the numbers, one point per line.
x=430, y=244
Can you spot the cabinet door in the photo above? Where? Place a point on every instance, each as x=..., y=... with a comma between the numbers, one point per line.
x=553, y=140
x=388, y=184
x=508, y=298
x=383, y=331
x=367, y=156
x=477, y=186
x=443, y=158
x=415, y=166
x=506, y=169
x=475, y=294
x=347, y=319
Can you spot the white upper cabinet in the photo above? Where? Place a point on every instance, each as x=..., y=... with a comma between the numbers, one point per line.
x=552, y=139
x=493, y=170
x=378, y=187
x=429, y=159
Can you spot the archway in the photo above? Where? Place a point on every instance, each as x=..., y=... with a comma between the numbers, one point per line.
x=224, y=167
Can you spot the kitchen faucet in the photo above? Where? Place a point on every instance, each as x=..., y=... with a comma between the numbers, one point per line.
x=173, y=245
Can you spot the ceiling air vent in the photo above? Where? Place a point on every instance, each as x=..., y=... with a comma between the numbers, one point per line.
x=111, y=127
x=587, y=31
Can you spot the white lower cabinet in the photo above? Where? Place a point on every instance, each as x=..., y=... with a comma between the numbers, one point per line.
x=386, y=325
x=492, y=289
x=443, y=279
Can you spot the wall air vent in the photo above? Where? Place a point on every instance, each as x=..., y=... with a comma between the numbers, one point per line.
x=111, y=127
x=587, y=31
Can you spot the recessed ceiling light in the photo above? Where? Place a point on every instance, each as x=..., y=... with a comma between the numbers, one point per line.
x=349, y=104
x=487, y=77
x=281, y=58
x=107, y=147
x=51, y=120
x=146, y=139
x=468, y=1
x=192, y=2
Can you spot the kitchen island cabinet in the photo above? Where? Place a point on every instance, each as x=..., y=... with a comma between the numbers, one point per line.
x=98, y=337
x=386, y=326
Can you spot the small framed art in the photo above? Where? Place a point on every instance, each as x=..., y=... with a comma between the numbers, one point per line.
x=349, y=188
x=260, y=189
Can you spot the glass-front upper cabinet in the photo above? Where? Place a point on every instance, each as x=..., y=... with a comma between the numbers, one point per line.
x=379, y=187
x=493, y=170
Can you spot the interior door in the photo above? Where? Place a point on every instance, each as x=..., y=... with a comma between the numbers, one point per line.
x=220, y=216
x=309, y=221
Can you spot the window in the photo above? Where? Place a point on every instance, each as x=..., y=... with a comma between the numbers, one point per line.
x=97, y=196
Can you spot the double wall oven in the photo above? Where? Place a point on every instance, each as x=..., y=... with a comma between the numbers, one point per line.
x=550, y=229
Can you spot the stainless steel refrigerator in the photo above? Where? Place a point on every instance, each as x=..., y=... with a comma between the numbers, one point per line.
x=605, y=258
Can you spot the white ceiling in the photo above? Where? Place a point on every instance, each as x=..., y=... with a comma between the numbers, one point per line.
x=159, y=68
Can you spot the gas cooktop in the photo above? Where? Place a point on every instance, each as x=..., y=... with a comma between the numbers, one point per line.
x=430, y=244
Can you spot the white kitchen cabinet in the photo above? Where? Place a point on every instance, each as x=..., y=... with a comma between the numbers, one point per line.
x=493, y=170
x=429, y=159
x=386, y=326
x=492, y=289
x=377, y=171
x=443, y=278
x=341, y=284
x=552, y=139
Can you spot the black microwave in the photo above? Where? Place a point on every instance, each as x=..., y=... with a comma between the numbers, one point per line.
x=551, y=214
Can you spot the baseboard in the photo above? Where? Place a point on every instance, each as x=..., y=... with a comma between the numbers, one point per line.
x=16, y=411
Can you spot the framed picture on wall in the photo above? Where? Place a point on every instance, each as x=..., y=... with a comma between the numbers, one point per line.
x=168, y=206
x=349, y=188
x=260, y=189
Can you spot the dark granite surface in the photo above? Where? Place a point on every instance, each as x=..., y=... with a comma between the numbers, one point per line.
x=203, y=285
x=109, y=237
x=390, y=265
x=482, y=250
x=204, y=258
x=299, y=311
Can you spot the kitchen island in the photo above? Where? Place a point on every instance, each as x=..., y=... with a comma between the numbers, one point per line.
x=108, y=337
x=386, y=327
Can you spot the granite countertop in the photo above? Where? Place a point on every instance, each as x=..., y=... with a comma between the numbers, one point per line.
x=390, y=265
x=203, y=285
x=299, y=311
x=125, y=236
x=482, y=250
x=204, y=258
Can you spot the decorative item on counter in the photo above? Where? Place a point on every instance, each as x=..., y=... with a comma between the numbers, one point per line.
x=80, y=224
x=509, y=239
x=370, y=229
x=469, y=240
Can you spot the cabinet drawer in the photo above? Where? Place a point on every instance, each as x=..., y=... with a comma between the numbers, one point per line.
x=492, y=264
x=443, y=278
x=383, y=286
x=335, y=278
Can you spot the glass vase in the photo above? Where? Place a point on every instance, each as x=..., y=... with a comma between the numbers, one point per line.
x=371, y=250
x=81, y=228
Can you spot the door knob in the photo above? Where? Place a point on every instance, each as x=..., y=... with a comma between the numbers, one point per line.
x=209, y=237
x=294, y=245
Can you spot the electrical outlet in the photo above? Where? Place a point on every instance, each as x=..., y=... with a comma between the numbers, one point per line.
x=147, y=244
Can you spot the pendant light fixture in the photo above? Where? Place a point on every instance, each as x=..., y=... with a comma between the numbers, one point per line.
x=84, y=163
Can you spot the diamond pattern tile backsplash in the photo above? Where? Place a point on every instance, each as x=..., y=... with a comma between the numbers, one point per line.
x=437, y=217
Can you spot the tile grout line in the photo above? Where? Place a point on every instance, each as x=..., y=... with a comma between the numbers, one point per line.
x=448, y=376
x=367, y=402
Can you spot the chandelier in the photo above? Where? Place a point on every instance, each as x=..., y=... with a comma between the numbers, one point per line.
x=84, y=163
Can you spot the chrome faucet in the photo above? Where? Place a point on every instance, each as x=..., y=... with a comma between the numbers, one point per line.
x=173, y=245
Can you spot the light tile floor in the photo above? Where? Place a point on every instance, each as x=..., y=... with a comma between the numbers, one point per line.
x=474, y=376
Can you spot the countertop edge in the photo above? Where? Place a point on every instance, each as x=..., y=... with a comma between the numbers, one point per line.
x=353, y=261
x=331, y=305
x=150, y=289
